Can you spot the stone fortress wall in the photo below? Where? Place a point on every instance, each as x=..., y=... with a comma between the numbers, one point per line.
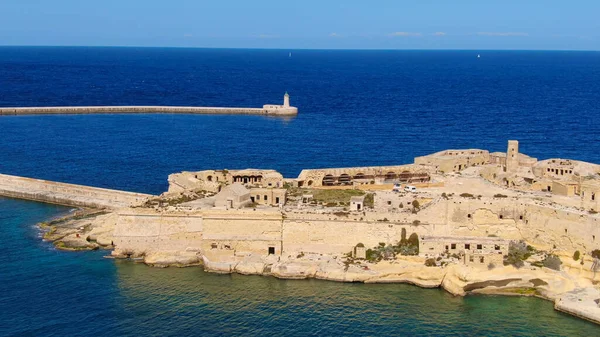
x=67, y=194
x=210, y=232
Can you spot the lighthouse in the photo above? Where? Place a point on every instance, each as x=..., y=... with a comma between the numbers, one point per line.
x=286, y=100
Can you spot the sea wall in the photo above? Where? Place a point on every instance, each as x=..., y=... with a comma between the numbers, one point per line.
x=145, y=109
x=225, y=235
x=66, y=194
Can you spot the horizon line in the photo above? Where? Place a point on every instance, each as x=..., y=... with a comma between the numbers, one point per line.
x=288, y=49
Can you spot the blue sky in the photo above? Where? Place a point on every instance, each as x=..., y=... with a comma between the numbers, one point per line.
x=354, y=24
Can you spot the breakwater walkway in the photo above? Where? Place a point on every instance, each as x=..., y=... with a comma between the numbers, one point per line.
x=268, y=109
x=145, y=109
x=67, y=194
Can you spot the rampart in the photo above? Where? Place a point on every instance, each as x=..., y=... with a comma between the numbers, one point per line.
x=66, y=194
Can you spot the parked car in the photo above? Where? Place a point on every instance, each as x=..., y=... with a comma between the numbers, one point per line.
x=410, y=188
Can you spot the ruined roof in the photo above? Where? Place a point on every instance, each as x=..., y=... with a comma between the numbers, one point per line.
x=360, y=198
x=235, y=189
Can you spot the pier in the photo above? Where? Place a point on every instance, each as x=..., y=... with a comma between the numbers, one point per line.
x=267, y=110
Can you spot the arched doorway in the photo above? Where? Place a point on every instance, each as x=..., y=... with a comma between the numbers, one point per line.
x=344, y=179
x=328, y=180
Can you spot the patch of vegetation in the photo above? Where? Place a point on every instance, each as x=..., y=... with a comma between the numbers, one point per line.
x=415, y=204
x=591, y=211
x=491, y=266
x=301, y=255
x=517, y=253
x=416, y=223
x=369, y=200
x=430, y=263
x=342, y=214
x=445, y=196
x=405, y=246
x=596, y=253
x=252, y=205
x=576, y=255
x=401, y=205
x=552, y=262
x=500, y=196
x=331, y=204
x=467, y=195
x=325, y=196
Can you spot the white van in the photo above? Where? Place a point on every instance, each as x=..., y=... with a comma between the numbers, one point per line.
x=410, y=188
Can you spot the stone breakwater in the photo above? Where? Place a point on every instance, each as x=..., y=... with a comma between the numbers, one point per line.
x=283, y=111
x=67, y=194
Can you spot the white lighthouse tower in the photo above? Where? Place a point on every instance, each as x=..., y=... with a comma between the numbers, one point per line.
x=286, y=100
x=281, y=110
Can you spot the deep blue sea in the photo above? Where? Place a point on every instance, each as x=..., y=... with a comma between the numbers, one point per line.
x=356, y=108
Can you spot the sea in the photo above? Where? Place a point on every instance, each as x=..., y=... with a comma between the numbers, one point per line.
x=356, y=108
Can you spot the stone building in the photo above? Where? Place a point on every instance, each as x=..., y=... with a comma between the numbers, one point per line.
x=454, y=160
x=590, y=195
x=471, y=250
x=357, y=203
x=214, y=180
x=362, y=176
x=268, y=196
x=233, y=196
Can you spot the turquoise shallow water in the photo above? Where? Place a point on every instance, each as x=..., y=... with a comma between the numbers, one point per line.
x=51, y=293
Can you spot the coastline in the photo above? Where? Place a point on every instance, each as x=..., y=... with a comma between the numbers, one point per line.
x=87, y=229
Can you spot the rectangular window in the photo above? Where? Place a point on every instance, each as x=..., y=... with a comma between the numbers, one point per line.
x=265, y=198
x=467, y=246
x=479, y=246
x=481, y=259
x=453, y=246
x=471, y=258
x=497, y=247
x=271, y=250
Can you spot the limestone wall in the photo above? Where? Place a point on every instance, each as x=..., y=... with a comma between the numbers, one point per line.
x=339, y=236
x=66, y=194
x=222, y=235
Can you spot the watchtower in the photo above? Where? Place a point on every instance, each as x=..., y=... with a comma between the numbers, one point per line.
x=512, y=156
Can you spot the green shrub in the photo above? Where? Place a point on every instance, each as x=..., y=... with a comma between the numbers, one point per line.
x=500, y=196
x=596, y=253
x=413, y=241
x=491, y=266
x=517, y=253
x=401, y=205
x=416, y=204
x=466, y=195
x=552, y=262
x=430, y=263
x=576, y=255
x=403, y=240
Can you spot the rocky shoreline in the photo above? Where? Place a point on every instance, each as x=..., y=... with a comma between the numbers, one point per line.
x=573, y=290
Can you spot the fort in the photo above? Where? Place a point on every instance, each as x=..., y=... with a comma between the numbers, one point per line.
x=269, y=110
x=471, y=222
